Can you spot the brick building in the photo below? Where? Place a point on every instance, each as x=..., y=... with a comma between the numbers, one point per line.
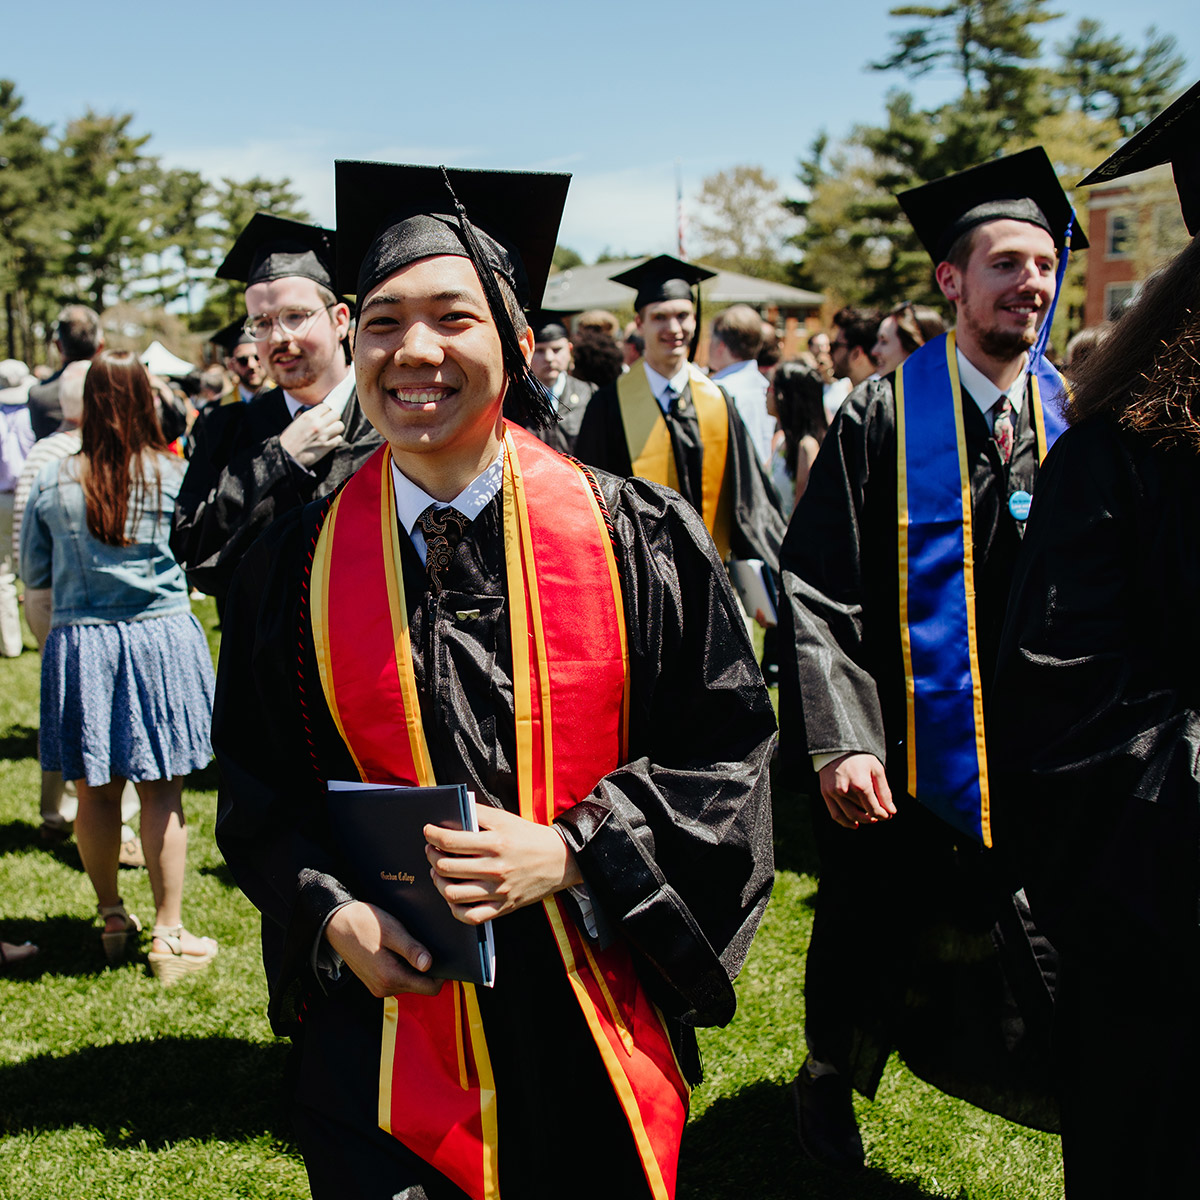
x=1133, y=227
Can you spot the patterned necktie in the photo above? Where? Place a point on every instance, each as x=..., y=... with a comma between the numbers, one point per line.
x=669, y=397
x=443, y=529
x=1002, y=427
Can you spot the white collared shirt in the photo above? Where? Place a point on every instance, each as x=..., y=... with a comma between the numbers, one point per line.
x=412, y=501
x=658, y=383
x=984, y=392
x=747, y=386
x=335, y=401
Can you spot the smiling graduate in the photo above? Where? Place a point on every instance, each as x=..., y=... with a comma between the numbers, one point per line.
x=475, y=608
x=896, y=568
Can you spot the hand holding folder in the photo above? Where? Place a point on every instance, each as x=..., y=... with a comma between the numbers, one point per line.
x=381, y=833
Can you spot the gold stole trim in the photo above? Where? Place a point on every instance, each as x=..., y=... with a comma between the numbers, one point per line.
x=652, y=454
x=390, y=547
x=964, y=474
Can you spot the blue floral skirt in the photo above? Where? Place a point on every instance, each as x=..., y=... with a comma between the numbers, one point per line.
x=131, y=699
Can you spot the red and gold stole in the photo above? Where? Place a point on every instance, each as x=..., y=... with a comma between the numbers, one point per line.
x=570, y=690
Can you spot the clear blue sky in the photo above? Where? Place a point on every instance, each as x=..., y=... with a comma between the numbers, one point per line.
x=616, y=92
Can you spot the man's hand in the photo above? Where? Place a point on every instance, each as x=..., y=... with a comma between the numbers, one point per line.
x=855, y=790
x=313, y=434
x=508, y=864
x=380, y=951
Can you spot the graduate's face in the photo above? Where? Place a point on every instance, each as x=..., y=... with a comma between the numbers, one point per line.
x=246, y=363
x=428, y=364
x=667, y=327
x=308, y=363
x=888, y=352
x=1004, y=291
x=550, y=360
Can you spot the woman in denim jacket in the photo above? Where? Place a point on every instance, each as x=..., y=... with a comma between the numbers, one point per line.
x=127, y=682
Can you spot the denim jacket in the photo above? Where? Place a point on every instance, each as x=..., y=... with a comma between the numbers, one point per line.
x=93, y=583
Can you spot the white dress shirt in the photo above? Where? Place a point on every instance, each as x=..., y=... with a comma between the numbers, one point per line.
x=412, y=501
x=984, y=392
x=335, y=401
x=658, y=384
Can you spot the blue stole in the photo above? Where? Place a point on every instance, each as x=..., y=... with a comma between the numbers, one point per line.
x=947, y=756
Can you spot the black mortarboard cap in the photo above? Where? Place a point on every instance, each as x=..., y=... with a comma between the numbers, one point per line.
x=276, y=248
x=1019, y=187
x=231, y=336
x=547, y=326
x=392, y=214
x=504, y=222
x=662, y=278
x=1173, y=136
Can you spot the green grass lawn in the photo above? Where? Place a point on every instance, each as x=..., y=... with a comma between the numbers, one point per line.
x=114, y=1088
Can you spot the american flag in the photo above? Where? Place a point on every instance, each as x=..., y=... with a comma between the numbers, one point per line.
x=681, y=252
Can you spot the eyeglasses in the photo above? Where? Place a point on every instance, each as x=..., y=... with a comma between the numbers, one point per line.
x=290, y=320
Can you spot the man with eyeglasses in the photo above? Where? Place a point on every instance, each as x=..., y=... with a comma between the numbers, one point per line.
x=294, y=443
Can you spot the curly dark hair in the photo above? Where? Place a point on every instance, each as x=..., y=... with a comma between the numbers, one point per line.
x=1146, y=372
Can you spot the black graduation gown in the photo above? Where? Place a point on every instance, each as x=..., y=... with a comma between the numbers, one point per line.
x=757, y=526
x=902, y=949
x=240, y=479
x=675, y=846
x=571, y=407
x=1095, y=724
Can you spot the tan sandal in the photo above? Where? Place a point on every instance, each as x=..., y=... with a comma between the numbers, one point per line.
x=119, y=942
x=172, y=965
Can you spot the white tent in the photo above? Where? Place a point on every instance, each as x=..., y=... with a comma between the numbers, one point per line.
x=158, y=360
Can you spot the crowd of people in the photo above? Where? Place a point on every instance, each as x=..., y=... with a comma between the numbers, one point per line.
x=456, y=539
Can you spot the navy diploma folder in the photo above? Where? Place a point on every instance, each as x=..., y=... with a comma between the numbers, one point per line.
x=379, y=830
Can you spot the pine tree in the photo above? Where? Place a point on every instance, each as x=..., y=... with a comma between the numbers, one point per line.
x=30, y=255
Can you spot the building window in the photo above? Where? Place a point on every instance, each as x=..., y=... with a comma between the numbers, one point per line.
x=1116, y=297
x=1120, y=235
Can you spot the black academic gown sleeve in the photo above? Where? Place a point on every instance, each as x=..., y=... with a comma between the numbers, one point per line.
x=758, y=524
x=675, y=846
x=1096, y=708
x=240, y=479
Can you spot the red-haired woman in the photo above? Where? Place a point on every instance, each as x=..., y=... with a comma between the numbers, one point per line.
x=127, y=682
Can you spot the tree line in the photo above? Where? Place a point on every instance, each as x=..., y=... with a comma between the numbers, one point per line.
x=89, y=215
x=852, y=241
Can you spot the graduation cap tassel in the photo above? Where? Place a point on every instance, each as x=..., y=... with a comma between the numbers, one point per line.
x=527, y=399
x=1043, y=338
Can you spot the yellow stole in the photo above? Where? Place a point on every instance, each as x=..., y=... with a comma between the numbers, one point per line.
x=652, y=454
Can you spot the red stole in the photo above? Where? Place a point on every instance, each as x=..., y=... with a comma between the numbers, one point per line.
x=570, y=673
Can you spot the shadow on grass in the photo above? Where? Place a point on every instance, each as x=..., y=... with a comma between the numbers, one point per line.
x=158, y=1092
x=18, y=742
x=746, y=1145
x=207, y=779
x=68, y=946
x=18, y=837
x=221, y=873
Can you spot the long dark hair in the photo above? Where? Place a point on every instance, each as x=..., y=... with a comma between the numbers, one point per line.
x=1146, y=372
x=799, y=390
x=120, y=428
